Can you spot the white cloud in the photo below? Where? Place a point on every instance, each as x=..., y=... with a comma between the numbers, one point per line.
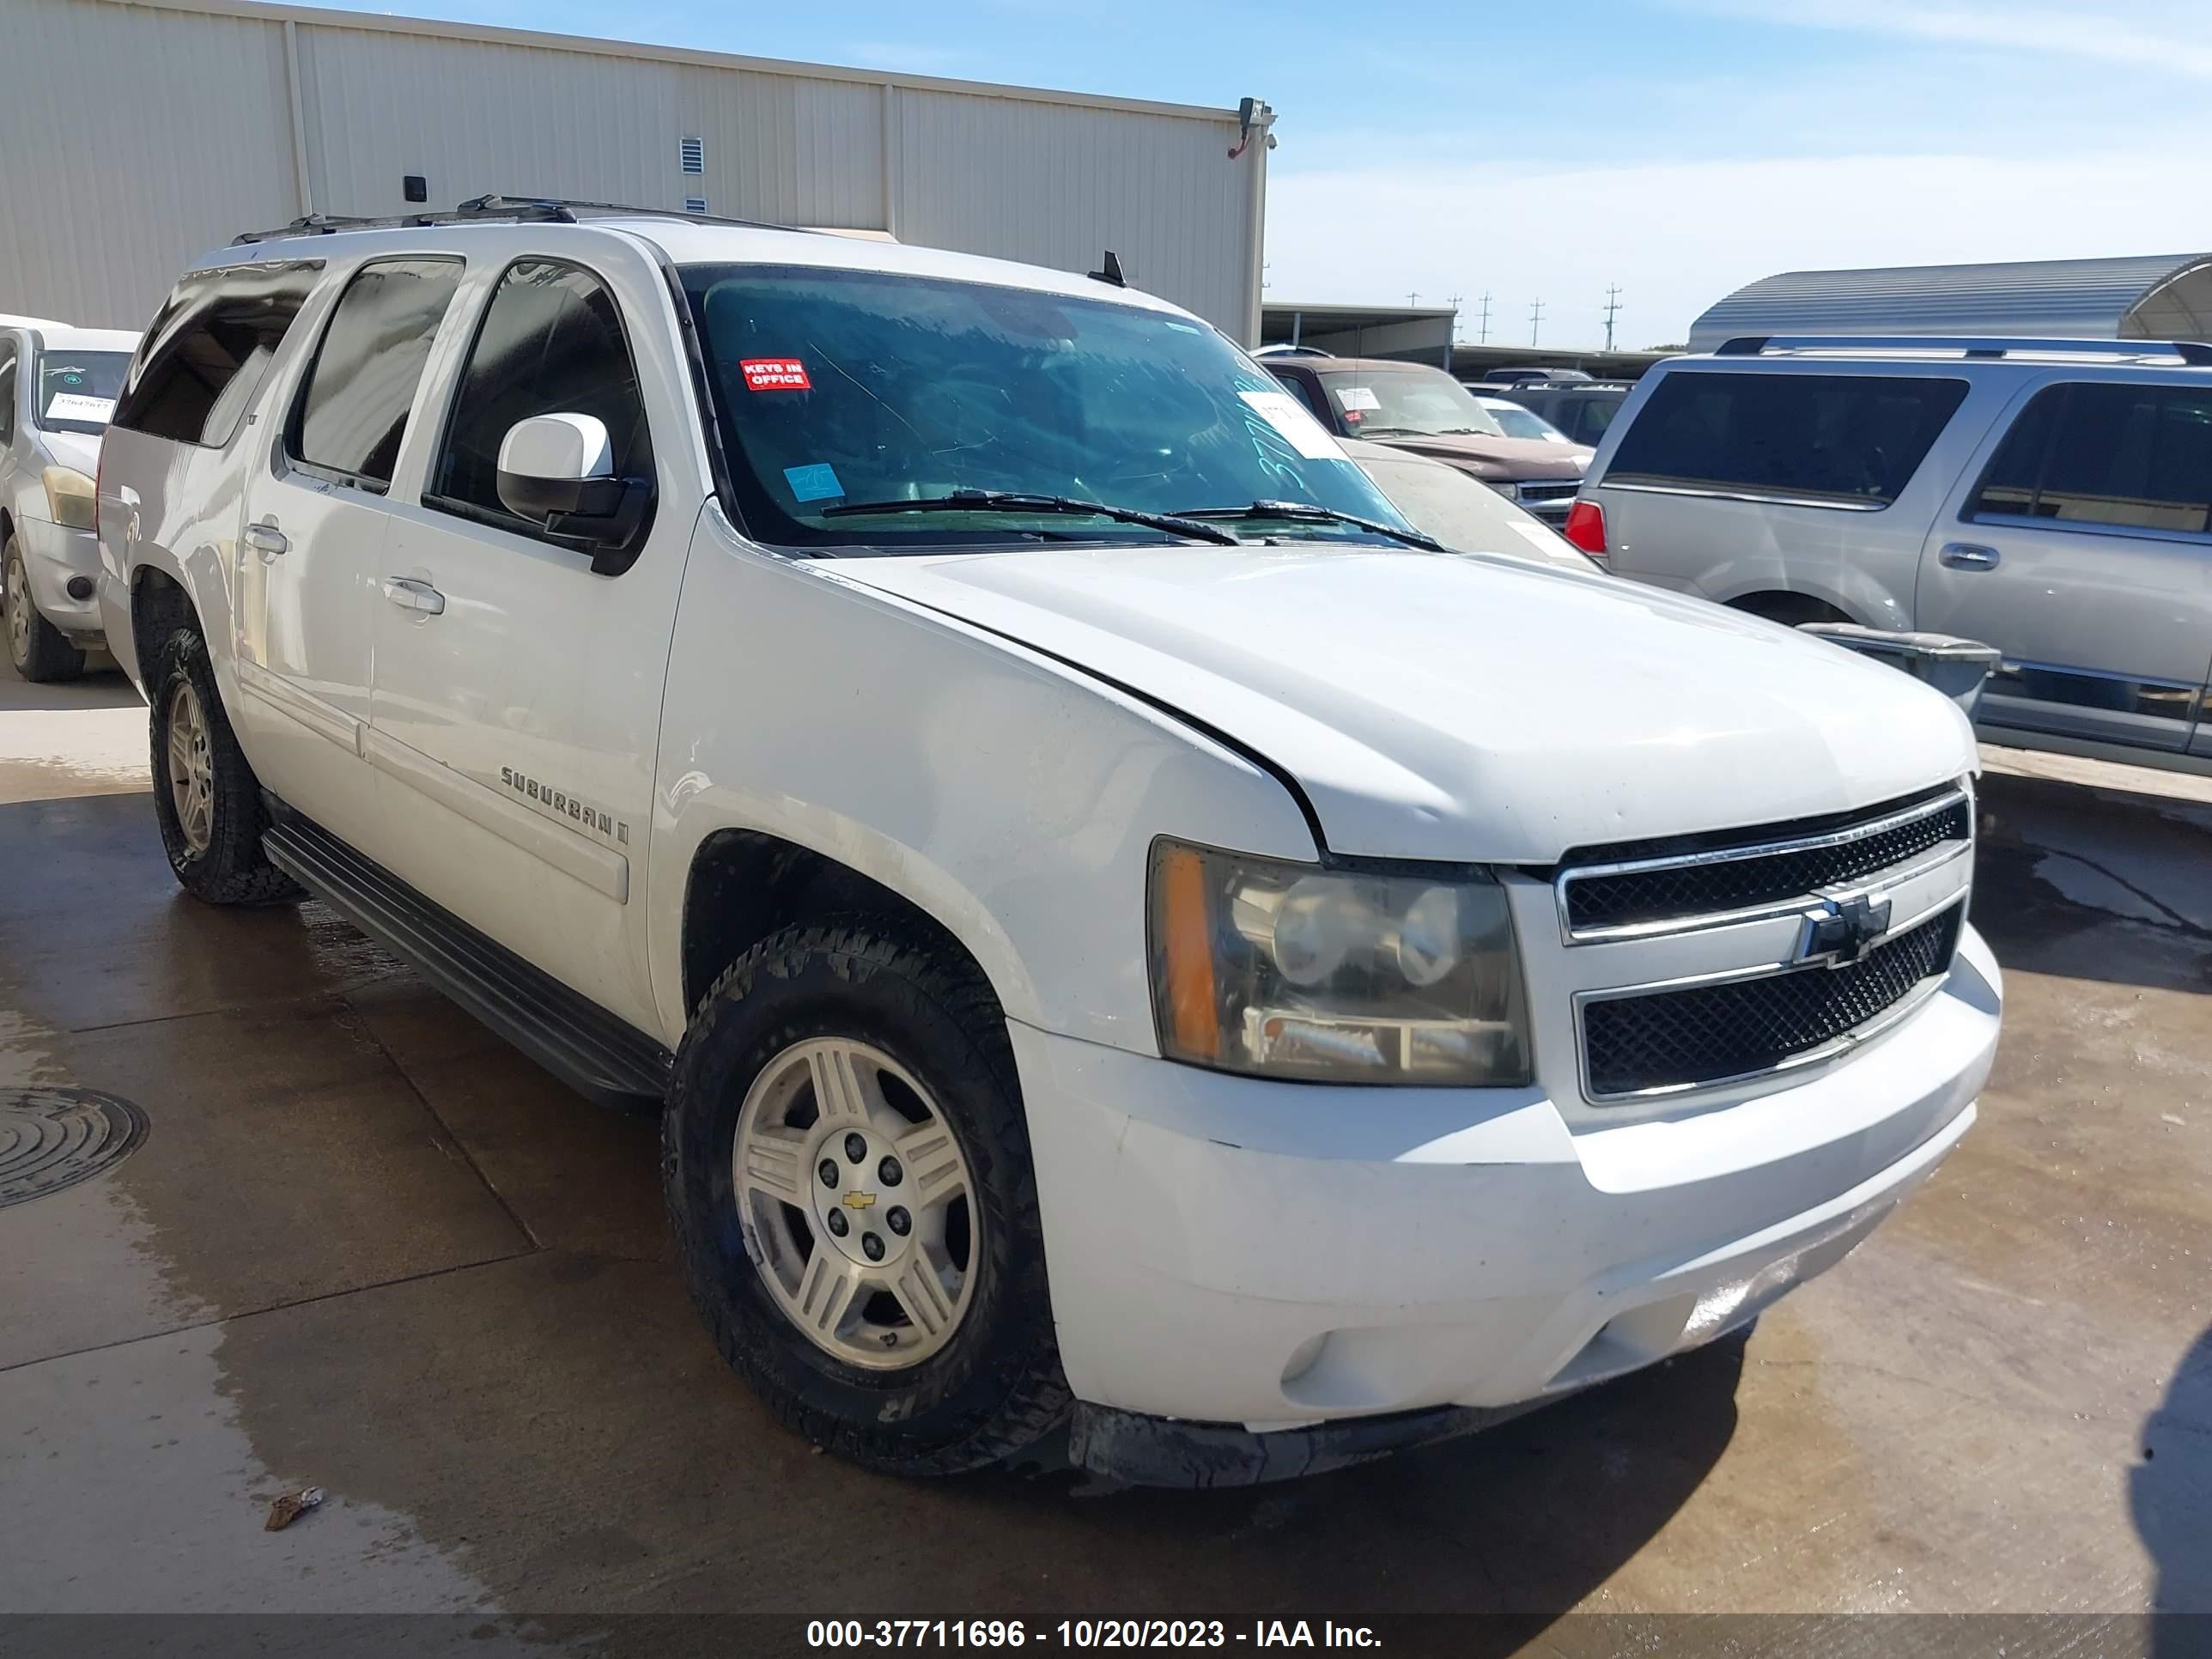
x=2170, y=35
x=1677, y=236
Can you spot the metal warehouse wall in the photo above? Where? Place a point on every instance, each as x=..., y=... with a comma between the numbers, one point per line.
x=139, y=134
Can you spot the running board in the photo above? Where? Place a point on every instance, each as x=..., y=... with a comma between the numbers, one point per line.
x=594, y=1052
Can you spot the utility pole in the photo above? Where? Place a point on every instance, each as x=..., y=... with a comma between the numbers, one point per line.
x=1612, y=305
x=1483, y=338
x=1451, y=330
x=1535, y=320
x=1413, y=299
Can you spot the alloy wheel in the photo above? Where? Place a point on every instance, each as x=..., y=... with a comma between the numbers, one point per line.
x=192, y=768
x=857, y=1202
x=18, y=613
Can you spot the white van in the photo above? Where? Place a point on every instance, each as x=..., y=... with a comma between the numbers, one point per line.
x=1124, y=937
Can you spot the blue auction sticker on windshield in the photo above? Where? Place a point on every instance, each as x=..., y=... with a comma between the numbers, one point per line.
x=818, y=483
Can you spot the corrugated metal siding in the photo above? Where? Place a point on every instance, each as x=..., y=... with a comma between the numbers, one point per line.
x=2062, y=299
x=474, y=116
x=1059, y=186
x=128, y=134
x=155, y=134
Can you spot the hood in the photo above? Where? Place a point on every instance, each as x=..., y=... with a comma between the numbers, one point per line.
x=72, y=449
x=1465, y=708
x=1521, y=457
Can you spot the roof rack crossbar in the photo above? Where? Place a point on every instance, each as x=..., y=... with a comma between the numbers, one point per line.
x=515, y=209
x=2194, y=353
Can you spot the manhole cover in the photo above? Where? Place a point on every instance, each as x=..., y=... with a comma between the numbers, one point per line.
x=50, y=1139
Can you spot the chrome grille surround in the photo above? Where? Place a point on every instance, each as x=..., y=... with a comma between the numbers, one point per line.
x=1786, y=973
x=1772, y=872
x=1708, y=1032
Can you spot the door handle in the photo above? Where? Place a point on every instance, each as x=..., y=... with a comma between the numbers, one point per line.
x=409, y=594
x=1966, y=556
x=265, y=538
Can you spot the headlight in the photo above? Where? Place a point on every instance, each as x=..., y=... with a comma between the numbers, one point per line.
x=71, y=498
x=1284, y=970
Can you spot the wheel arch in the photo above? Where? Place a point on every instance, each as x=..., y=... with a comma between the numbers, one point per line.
x=159, y=604
x=743, y=884
x=1790, y=605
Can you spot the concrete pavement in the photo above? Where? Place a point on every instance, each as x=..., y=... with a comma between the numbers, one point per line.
x=367, y=1247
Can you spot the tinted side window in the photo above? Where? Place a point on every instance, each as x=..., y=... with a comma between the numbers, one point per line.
x=200, y=364
x=551, y=343
x=353, y=408
x=2135, y=456
x=7, y=394
x=1853, y=439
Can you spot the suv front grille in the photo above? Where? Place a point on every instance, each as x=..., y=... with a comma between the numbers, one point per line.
x=1707, y=1033
x=1540, y=490
x=1787, y=862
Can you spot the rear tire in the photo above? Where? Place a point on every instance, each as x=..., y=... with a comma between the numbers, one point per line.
x=40, y=651
x=205, y=796
x=913, y=1039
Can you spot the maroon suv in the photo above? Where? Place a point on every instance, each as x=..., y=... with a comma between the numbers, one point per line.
x=1424, y=409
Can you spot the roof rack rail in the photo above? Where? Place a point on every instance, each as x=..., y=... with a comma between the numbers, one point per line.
x=2194, y=353
x=514, y=209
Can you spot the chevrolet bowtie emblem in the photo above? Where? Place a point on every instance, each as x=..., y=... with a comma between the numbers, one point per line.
x=1840, y=933
x=860, y=1200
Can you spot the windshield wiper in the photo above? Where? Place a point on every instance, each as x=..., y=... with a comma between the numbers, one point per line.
x=1009, y=500
x=1311, y=513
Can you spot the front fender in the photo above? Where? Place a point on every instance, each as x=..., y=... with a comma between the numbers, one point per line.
x=1008, y=796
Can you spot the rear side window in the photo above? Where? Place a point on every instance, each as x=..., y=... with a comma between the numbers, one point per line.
x=353, y=408
x=1854, y=439
x=2138, y=457
x=551, y=343
x=7, y=394
x=200, y=363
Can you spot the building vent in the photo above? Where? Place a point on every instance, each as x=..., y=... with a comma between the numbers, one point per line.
x=695, y=204
x=694, y=152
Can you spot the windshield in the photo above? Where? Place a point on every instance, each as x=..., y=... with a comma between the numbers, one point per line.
x=1380, y=401
x=77, y=390
x=838, y=388
x=1521, y=422
x=1465, y=514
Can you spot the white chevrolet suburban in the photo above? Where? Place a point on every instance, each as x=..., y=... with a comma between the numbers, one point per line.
x=1123, y=936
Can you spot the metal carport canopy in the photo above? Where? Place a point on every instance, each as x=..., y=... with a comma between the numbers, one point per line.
x=2159, y=296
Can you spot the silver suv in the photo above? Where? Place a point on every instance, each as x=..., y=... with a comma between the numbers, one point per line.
x=2051, y=497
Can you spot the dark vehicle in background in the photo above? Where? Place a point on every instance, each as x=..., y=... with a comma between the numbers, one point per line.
x=1411, y=406
x=1581, y=409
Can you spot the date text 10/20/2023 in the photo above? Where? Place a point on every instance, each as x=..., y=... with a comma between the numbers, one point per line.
x=1084, y=1633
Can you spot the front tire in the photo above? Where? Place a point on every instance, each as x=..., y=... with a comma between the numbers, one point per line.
x=40, y=651
x=205, y=796
x=848, y=1173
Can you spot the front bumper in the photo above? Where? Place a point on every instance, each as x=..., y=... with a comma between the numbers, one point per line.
x=1262, y=1257
x=54, y=555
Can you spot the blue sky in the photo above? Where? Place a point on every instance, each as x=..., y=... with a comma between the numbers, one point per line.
x=1677, y=148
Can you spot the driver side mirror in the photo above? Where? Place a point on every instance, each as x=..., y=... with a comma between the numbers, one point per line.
x=558, y=471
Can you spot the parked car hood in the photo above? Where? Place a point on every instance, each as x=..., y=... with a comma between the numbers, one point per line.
x=1521, y=458
x=76, y=449
x=1435, y=706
